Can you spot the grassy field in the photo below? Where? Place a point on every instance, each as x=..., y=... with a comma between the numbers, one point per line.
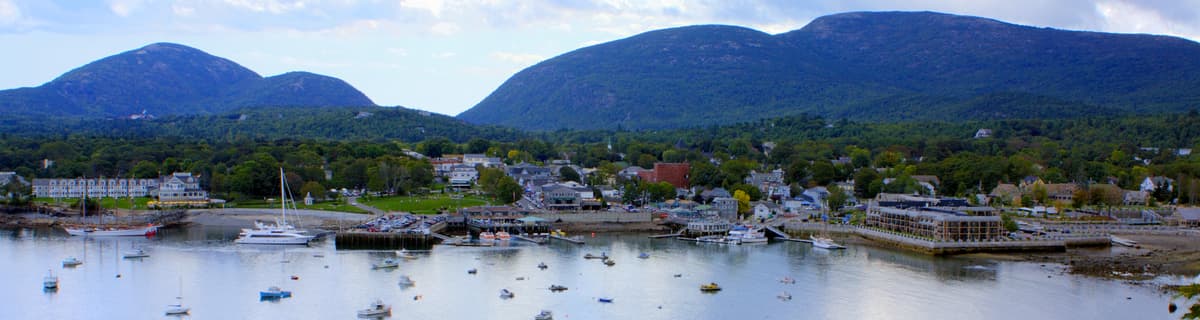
x=107, y=203
x=430, y=204
x=325, y=206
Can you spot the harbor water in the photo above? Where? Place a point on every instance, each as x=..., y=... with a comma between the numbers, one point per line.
x=222, y=280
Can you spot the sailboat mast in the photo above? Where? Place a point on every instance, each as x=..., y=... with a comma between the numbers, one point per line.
x=282, y=196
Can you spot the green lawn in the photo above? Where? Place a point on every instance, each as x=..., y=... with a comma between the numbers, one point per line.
x=429, y=204
x=107, y=203
x=326, y=206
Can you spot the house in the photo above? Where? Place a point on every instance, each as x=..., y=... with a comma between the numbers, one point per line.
x=181, y=188
x=561, y=197
x=765, y=210
x=726, y=207
x=674, y=173
x=463, y=176
x=476, y=159
x=1007, y=192
x=9, y=176
x=630, y=172
x=1150, y=184
x=928, y=182
x=443, y=166
x=818, y=195
x=714, y=193
x=1188, y=216
x=983, y=133
x=95, y=188
x=1135, y=197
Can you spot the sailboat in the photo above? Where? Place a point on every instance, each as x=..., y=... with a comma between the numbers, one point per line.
x=178, y=308
x=98, y=230
x=823, y=241
x=280, y=233
x=50, y=282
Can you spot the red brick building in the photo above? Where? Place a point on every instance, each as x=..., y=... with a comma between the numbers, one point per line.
x=674, y=173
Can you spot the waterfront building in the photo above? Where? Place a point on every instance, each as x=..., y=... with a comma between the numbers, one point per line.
x=930, y=218
x=674, y=173
x=180, y=188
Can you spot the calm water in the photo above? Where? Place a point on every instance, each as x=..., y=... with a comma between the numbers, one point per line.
x=221, y=280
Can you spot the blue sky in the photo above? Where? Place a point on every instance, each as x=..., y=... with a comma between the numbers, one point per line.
x=445, y=55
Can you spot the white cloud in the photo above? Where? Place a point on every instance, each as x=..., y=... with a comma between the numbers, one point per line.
x=517, y=58
x=444, y=28
x=270, y=6
x=444, y=55
x=1119, y=16
x=433, y=6
x=9, y=12
x=124, y=8
x=400, y=52
x=182, y=10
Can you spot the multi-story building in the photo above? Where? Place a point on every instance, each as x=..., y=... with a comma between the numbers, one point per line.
x=937, y=223
x=674, y=173
x=179, y=187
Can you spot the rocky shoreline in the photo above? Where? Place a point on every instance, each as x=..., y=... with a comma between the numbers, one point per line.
x=1155, y=255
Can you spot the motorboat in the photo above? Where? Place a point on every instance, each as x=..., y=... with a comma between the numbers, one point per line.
x=591, y=256
x=544, y=315
x=605, y=300
x=644, y=255
x=376, y=309
x=609, y=262
x=385, y=264
x=405, y=254
x=505, y=294
x=405, y=281
x=71, y=262
x=274, y=292
x=825, y=243
x=136, y=254
x=472, y=271
x=50, y=281
x=784, y=296
x=281, y=233
x=710, y=287
x=542, y=265
x=503, y=236
x=787, y=280
x=113, y=231
x=555, y=287
x=487, y=236
x=745, y=235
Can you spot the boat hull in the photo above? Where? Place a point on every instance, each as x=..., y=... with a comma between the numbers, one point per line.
x=298, y=240
x=129, y=232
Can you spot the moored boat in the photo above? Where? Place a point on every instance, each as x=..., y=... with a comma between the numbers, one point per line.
x=787, y=280
x=605, y=300
x=385, y=264
x=274, y=292
x=544, y=315
x=505, y=294
x=50, y=281
x=644, y=255
x=825, y=243
x=71, y=262
x=710, y=287
x=487, y=236
x=377, y=308
x=503, y=236
x=555, y=287
x=281, y=233
x=136, y=254
x=112, y=231
x=591, y=256
x=405, y=281
x=609, y=262
x=542, y=265
x=784, y=296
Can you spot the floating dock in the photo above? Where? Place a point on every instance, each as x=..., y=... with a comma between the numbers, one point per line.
x=575, y=241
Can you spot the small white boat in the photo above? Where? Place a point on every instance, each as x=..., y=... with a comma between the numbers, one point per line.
x=385, y=264
x=784, y=296
x=505, y=294
x=545, y=315
x=136, y=254
x=376, y=309
x=542, y=265
x=825, y=243
x=609, y=262
x=503, y=236
x=405, y=254
x=71, y=262
x=405, y=281
x=487, y=236
x=50, y=281
x=787, y=280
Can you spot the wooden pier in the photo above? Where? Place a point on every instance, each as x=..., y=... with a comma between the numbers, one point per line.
x=566, y=239
x=384, y=240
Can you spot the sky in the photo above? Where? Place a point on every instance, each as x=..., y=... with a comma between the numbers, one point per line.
x=445, y=56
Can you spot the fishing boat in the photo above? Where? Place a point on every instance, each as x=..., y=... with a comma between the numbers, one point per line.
x=281, y=233
x=386, y=264
x=505, y=294
x=50, y=282
x=178, y=308
x=644, y=255
x=137, y=253
x=377, y=308
x=544, y=315
x=503, y=236
x=710, y=287
x=405, y=281
x=825, y=243
x=542, y=265
x=71, y=262
x=274, y=292
x=555, y=287
x=605, y=300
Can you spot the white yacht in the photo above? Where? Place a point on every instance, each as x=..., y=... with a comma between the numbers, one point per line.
x=745, y=235
x=279, y=233
x=376, y=309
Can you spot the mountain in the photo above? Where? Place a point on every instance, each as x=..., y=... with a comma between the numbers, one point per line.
x=861, y=65
x=167, y=78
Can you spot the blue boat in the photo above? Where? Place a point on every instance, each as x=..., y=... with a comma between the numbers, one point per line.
x=605, y=300
x=274, y=293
